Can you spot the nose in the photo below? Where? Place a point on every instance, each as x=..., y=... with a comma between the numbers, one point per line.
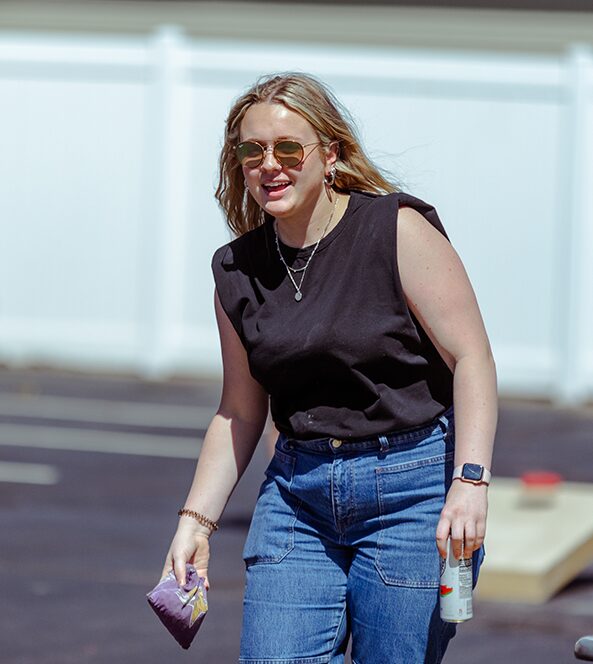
x=269, y=163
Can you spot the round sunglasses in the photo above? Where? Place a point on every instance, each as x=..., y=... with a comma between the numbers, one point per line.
x=288, y=153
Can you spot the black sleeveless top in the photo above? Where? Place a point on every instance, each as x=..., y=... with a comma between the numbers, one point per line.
x=350, y=359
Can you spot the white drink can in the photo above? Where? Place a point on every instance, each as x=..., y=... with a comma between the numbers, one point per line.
x=455, y=591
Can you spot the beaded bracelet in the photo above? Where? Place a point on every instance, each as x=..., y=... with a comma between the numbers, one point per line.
x=204, y=520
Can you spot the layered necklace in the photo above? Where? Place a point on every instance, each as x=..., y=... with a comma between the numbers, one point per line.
x=298, y=296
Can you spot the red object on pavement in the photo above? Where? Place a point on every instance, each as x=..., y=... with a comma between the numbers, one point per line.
x=541, y=478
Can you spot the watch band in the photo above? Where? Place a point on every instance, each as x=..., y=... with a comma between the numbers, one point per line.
x=472, y=472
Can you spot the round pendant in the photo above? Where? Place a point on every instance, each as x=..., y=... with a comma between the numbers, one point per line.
x=298, y=296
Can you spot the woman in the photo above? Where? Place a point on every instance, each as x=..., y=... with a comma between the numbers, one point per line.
x=362, y=361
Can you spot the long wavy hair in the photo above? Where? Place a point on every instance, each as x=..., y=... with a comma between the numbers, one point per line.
x=313, y=100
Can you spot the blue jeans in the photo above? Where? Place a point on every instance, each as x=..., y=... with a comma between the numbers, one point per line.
x=342, y=541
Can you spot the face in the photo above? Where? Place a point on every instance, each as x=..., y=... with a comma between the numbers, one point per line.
x=304, y=187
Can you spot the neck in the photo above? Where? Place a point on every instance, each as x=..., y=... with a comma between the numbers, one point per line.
x=306, y=231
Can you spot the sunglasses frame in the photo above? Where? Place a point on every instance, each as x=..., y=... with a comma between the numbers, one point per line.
x=273, y=146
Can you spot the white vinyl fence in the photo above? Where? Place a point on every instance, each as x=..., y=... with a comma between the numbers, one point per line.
x=108, y=164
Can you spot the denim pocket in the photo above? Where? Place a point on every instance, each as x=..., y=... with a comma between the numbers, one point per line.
x=411, y=495
x=271, y=532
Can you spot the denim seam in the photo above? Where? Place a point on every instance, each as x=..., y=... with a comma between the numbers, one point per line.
x=263, y=560
x=406, y=583
x=396, y=468
x=298, y=660
x=338, y=629
x=286, y=458
x=351, y=503
x=332, y=496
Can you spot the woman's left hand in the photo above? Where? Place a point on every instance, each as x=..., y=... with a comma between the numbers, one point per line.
x=464, y=518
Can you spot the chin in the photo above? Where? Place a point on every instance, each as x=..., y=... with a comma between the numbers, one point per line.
x=278, y=208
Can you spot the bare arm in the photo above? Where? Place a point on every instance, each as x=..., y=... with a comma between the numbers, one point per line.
x=439, y=293
x=234, y=431
x=228, y=447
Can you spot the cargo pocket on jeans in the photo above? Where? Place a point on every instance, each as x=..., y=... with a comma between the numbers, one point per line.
x=271, y=533
x=411, y=496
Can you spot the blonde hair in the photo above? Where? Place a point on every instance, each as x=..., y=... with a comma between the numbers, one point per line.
x=314, y=101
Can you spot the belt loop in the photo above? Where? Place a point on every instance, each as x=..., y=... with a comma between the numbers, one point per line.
x=444, y=422
x=283, y=442
x=384, y=443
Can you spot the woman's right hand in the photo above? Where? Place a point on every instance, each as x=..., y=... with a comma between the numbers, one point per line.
x=190, y=544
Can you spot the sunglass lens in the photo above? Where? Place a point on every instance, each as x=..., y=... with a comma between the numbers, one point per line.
x=289, y=153
x=249, y=154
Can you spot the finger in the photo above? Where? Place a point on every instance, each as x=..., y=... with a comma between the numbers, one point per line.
x=204, y=572
x=179, y=566
x=201, y=566
x=200, y=561
x=480, y=533
x=442, y=534
x=469, y=543
x=456, y=539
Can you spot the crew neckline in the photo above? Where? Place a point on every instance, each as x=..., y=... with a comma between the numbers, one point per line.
x=297, y=252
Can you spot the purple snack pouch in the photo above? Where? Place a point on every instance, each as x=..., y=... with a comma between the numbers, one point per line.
x=181, y=609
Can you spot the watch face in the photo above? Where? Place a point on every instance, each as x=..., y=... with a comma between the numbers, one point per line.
x=472, y=471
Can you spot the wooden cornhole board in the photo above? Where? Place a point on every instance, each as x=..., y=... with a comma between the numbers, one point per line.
x=532, y=552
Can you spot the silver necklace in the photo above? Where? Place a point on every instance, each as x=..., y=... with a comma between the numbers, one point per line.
x=298, y=296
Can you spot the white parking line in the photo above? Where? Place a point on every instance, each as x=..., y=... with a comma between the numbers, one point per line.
x=28, y=473
x=103, y=411
x=82, y=440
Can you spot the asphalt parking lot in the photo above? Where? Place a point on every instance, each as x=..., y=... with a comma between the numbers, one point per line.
x=92, y=472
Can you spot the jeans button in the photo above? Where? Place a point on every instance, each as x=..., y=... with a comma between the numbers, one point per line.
x=336, y=442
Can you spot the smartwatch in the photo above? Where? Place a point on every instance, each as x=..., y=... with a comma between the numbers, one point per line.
x=472, y=472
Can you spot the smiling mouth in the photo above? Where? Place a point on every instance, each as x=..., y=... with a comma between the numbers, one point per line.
x=276, y=186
